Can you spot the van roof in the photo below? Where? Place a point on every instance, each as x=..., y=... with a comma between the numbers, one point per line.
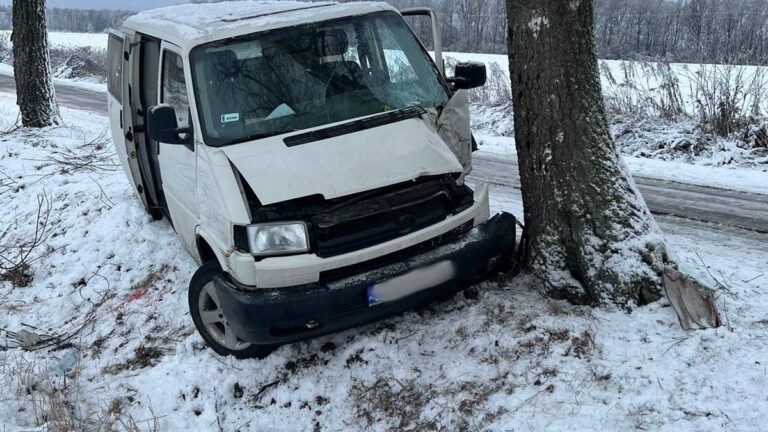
x=190, y=25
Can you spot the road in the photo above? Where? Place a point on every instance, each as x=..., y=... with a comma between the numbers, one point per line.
x=665, y=198
x=68, y=96
x=705, y=204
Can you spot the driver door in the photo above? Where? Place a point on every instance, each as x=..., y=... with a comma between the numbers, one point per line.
x=178, y=161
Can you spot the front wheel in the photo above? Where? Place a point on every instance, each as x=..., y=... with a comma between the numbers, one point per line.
x=209, y=319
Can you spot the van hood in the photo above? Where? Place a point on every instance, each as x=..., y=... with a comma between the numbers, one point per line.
x=343, y=165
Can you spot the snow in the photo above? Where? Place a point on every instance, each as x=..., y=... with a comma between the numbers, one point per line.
x=536, y=23
x=97, y=41
x=195, y=21
x=188, y=25
x=505, y=360
x=6, y=69
x=620, y=75
x=726, y=177
x=733, y=178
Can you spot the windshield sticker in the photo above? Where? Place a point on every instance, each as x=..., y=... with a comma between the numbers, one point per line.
x=229, y=118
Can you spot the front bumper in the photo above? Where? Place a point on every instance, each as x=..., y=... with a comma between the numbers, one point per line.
x=286, y=315
x=304, y=269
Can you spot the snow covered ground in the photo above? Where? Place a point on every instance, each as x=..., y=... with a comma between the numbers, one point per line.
x=77, y=59
x=648, y=77
x=656, y=110
x=735, y=178
x=72, y=40
x=6, y=69
x=109, y=286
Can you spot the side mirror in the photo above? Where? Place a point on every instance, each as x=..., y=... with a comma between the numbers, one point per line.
x=469, y=75
x=163, y=127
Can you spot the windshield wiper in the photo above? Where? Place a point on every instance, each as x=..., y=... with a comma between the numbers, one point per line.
x=355, y=126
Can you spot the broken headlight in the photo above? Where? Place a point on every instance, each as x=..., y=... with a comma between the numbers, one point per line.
x=278, y=238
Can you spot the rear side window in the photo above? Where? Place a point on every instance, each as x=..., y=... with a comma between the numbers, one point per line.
x=115, y=67
x=175, y=87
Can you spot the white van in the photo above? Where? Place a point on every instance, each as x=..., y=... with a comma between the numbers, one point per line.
x=310, y=156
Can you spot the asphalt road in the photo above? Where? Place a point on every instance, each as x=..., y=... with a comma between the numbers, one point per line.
x=68, y=96
x=705, y=204
x=665, y=198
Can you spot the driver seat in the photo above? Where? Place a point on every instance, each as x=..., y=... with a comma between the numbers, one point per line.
x=342, y=76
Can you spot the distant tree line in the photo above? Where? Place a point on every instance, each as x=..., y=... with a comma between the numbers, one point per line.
x=468, y=25
x=710, y=31
x=74, y=20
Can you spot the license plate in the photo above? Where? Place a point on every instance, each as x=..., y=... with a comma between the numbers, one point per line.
x=411, y=283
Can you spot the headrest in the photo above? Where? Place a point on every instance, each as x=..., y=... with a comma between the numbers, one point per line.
x=224, y=62
x=332, y=43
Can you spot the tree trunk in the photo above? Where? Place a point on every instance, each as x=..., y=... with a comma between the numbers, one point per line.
x=592, y=239
x=31, y=65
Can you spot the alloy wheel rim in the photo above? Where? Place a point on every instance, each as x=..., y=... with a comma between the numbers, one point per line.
x=214, y=321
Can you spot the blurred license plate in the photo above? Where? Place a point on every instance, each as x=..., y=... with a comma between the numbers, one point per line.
x=411, y=283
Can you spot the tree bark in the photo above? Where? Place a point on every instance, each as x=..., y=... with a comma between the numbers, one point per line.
x=592, y=239
x=31, y=65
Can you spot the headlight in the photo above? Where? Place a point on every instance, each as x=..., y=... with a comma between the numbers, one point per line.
x=278, y=238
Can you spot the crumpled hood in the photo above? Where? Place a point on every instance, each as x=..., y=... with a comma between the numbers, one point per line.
x=342, y=165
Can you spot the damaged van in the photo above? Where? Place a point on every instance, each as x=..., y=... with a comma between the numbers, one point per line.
x=312, y=159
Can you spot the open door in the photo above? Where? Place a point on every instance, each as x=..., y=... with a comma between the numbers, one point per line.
x=437, y=37
x=119, y=108
x=177, y=162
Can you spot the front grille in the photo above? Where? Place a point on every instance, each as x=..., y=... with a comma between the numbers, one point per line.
x=377, y=220
x=399, y=256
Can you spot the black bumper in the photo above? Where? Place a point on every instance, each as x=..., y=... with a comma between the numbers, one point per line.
x=286, y=315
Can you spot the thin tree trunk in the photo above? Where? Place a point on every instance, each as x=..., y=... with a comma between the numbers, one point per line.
x=592, y=239
x=31, y=65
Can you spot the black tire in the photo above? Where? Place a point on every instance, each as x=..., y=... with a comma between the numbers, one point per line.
x=156, y=214
x=216, y=334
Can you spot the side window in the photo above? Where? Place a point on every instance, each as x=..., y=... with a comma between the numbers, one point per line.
x=174, y=88
x=115, y=67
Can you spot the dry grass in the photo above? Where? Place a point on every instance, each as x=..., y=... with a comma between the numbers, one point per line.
x=17, y=255
x=412, y=405
x=726, y=99
x=50, y=395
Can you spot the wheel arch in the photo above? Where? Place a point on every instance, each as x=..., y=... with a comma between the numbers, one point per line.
x=207, y=253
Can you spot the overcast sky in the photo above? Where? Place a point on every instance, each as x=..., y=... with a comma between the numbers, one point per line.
x=107, y=4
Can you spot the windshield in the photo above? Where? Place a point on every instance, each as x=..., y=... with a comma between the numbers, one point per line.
x=302, y=77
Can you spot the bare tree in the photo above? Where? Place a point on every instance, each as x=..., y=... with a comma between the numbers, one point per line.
x=686, y=31
x=592, y=239
x=31, y=65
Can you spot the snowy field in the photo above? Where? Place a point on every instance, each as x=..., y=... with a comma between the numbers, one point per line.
x=72, y=40
x=659, y=111
x=102, y=305
x=644, y=78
